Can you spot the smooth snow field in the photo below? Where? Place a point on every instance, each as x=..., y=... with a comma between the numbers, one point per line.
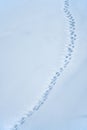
x=43, y=65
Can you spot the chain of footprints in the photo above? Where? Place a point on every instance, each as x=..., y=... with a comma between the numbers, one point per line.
x=67, y=58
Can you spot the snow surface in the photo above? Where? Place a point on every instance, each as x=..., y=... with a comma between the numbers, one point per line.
x=34, y=36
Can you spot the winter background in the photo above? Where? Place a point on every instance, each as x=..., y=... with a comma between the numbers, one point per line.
x=33, y=41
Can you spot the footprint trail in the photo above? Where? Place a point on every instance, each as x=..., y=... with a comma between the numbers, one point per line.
x=67, y=59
